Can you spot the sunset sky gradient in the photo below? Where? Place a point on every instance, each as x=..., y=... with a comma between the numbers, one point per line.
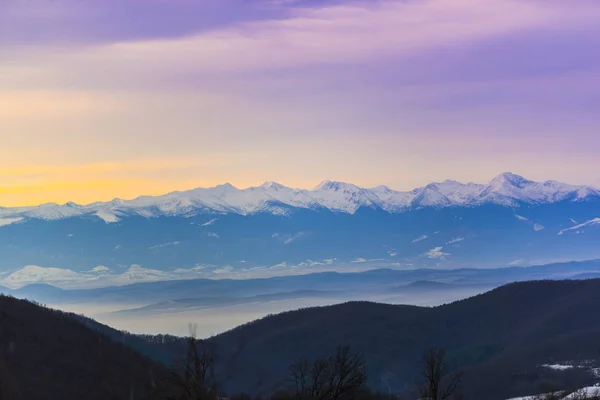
x=118, y=98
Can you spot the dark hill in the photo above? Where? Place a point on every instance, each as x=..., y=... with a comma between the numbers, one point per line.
x=500, y=338
x=47, y=354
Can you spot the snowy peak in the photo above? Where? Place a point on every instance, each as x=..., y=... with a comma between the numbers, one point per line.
x=225, y=187
x=336, y=186
x=509, y=179
x=273, y=186
x=507, y=189
x=430, y=196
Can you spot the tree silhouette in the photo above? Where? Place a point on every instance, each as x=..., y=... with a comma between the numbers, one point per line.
x=432, y=372
x=197, y=380
x=332, y=378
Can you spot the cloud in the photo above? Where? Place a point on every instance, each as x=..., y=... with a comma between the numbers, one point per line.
x=330, y=35
x=482, y=81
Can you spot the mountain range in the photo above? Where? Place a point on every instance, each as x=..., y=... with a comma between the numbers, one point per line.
x=506, y=189
x=272, y=229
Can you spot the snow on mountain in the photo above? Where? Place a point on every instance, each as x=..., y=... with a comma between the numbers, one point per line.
x=507, y=189
x=577, y=228
x=34, y=274
x=344, y=197
x=8, y=221
x=107, y=216
x=209, y=223
x=96, y=277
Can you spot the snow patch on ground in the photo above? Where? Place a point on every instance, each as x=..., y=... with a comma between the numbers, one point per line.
x=159, y=246
x=576, y=228
x=211, y=222
x=558, y=367
x=420, y=239
x=436, y=252
x=538, y=227
x=456, y=240
x=587, y=391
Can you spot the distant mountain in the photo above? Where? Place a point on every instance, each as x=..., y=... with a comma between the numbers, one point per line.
x=501, y=339
x=358, y=285
x=198, y=303
x=506, y=189
x=46, y=354
x=273, y=229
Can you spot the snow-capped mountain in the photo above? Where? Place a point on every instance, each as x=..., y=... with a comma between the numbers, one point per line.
x=273, y=229
x=507, y=190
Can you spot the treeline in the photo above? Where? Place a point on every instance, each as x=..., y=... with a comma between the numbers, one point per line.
x=340, y=376
x=51, y=355
x=343, y=375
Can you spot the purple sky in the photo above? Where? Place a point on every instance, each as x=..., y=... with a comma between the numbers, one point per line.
x=122, y=97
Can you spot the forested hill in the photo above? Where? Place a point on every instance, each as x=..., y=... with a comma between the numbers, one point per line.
x=47, y=354
x=501, y=338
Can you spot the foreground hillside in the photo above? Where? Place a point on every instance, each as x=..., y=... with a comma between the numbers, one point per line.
x=46, y=354
x=501, y=338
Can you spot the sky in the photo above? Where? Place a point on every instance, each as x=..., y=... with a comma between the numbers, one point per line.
x=118, y=98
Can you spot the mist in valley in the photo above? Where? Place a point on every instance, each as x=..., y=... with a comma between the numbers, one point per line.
x=212, y=320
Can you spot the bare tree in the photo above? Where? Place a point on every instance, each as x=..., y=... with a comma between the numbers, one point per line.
x=197, y=380
x=300, y=377
x=348, y=372
x=433, y=371
x=331, y=378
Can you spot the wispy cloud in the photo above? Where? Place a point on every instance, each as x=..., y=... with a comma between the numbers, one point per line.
x=438, y=83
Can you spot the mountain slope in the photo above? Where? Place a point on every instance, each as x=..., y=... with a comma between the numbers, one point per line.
x=495, y=336
x=271, y=229
x=46, y=354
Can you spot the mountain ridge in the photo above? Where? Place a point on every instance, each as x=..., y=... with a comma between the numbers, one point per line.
x=507, y=189
x=497, y=338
